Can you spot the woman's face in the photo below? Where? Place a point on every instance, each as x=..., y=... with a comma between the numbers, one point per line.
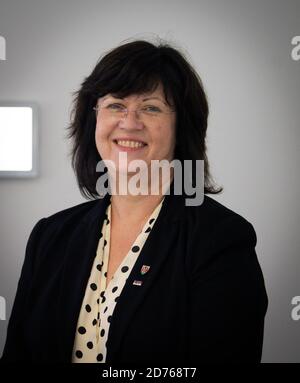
x=152, y=128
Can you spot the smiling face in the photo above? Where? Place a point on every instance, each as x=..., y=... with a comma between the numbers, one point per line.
x=148, y=134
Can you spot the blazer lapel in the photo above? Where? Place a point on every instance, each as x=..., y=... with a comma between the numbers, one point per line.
x=154, y=253
x=80, y=255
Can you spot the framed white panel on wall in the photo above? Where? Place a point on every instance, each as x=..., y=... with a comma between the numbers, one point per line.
x=18, y=140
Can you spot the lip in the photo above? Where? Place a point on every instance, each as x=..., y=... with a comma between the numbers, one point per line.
x=129, y=139
x=128, y=149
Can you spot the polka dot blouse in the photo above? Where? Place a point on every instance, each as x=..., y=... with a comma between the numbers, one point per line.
x=99, y=300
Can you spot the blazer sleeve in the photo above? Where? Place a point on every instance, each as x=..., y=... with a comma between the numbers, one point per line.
x=229, y=299
x=15, y=348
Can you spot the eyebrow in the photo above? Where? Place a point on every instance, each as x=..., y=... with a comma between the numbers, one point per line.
x=144, y=99
x=153, y=98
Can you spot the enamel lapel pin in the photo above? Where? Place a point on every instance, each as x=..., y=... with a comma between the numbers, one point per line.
x=144, y=270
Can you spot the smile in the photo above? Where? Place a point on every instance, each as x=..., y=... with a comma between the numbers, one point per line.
x=129, y=145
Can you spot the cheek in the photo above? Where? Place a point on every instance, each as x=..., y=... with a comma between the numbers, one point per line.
x=169, y=138
x=101, y=134
x=100, y=139
x=97, y=137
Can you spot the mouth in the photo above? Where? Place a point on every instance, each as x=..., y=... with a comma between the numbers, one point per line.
x=129, y=145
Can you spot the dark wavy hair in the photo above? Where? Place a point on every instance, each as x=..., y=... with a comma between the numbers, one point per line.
x=134, y=68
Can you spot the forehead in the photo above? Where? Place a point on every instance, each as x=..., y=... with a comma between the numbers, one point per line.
x=157, y=94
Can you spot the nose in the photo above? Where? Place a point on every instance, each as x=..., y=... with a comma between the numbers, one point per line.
x=131, y=121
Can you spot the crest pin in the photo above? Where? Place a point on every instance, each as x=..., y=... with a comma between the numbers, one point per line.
x=144, y=269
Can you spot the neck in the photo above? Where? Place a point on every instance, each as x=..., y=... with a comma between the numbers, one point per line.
x=137, y=208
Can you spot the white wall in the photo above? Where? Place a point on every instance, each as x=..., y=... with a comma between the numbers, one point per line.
x=242, y=51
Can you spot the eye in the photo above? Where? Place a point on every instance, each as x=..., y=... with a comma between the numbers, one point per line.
x=151, y=108
x=115, y=106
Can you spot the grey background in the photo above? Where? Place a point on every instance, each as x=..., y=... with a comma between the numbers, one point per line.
x=242, y=51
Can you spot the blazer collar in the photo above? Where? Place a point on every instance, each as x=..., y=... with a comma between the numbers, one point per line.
x=80, y=254
x=171, y=210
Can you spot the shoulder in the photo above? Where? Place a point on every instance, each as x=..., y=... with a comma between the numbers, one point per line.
x=216, y=230
x=229, y=221
x=64, y=220
x=72, y=212
x=212, y=215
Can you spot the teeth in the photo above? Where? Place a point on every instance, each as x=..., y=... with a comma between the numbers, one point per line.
x=130, y=144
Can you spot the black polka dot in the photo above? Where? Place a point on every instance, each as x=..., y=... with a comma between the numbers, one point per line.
x=105, y=242
x=98, y=300
x=101, y=235
x=135, y=249
x=94, y=322
x=81, y=330
x=151, y=220
x=102, y=332
x=99, y=357
x=105, y=274
x=148, y=229
x=103, y=299
x=105, y=309
x=93, y=286
x=114, y=289
x=107, y=221
x=99, y=267
x=98, y=316
x=90, y=345
x=116, y=300
x=109, y=319
x=102, y=293
x=79, y=354
x=88, y=308
x=124, y=269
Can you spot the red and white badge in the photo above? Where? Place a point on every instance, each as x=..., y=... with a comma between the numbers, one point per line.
x=144, y=269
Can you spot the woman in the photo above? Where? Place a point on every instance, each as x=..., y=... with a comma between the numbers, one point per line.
x=139, y=277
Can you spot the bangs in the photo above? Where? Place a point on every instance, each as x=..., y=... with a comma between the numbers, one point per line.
x=136, y=74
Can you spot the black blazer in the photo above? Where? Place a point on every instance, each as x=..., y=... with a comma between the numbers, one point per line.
x=203, y=299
